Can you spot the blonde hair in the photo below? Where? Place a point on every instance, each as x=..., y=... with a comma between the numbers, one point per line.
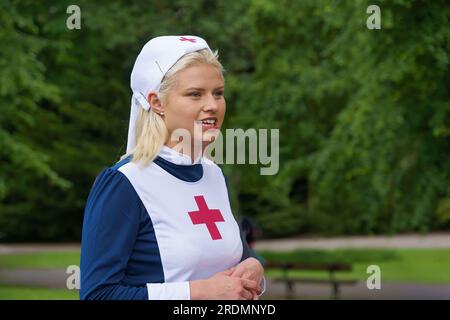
x=151, y=131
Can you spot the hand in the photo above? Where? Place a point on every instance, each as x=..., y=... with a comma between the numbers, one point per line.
x=250, y=269
x=222, y=286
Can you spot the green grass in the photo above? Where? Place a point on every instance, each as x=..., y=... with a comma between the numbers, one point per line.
x=397, y=265
x=24, y=293
x=40, y=260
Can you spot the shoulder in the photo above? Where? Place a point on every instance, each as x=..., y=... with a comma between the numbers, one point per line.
x=111, y=173
x=212, y=167
x=216, y=171
x=113, y=192
x=111, y=182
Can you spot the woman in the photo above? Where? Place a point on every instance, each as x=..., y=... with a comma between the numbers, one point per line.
x=158, y=224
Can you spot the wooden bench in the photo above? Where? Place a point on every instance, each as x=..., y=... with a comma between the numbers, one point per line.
x=330, y=268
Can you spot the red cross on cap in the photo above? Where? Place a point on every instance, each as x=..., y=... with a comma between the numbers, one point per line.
x=188, y=39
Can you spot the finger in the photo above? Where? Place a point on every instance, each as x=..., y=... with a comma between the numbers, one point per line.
x=247, y=294
x=249, y=284
x=238, y=272
x=258, y=286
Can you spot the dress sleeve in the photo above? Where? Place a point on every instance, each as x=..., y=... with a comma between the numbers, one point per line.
x=110, y=227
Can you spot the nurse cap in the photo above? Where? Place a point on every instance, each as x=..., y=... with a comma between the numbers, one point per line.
x=156, y=58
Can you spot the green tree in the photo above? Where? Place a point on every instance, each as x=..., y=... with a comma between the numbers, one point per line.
x=364, y=115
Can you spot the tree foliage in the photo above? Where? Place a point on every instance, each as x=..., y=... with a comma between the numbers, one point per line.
x=364, y=115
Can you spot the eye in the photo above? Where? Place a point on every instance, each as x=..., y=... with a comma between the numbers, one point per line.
x=219, y=93
x=195, y=94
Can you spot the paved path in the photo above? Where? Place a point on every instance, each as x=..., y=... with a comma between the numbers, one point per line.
x=388, y=291
x=44, y=278
x=435, y=240
x=37, y=247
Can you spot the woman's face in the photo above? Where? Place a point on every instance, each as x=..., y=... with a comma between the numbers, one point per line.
x=196, y=103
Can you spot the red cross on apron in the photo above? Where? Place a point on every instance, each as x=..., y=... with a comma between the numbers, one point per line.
x=207, y=216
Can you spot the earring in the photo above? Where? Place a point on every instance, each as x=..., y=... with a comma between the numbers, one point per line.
x=161, y=113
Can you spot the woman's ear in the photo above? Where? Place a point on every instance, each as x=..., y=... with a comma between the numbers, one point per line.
x=155, y=102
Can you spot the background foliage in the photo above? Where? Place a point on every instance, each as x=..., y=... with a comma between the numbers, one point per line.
x=364, y=115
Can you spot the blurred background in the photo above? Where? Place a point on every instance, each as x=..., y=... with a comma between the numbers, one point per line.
x=364, y=119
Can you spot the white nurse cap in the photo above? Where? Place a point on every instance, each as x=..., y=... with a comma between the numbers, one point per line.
x=155, y=59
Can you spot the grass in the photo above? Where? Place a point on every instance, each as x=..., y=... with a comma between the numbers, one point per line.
x=24, y=293
x=399, y=265
x=40, y=260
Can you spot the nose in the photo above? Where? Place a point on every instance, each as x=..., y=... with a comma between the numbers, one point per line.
x=211, y=103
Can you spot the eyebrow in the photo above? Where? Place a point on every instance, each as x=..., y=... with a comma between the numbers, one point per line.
x=202, y=89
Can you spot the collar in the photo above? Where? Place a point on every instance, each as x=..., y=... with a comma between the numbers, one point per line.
x=178, y=158
x=180, y=165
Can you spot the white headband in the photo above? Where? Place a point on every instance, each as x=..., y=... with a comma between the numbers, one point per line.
x=155, y=59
